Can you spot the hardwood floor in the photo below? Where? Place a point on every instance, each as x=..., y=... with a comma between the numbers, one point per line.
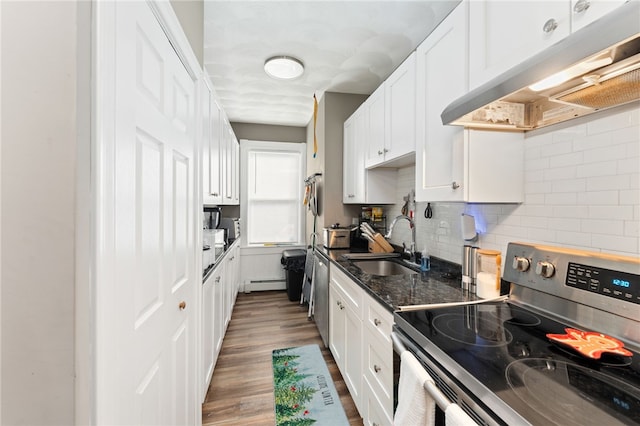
x=241, y=390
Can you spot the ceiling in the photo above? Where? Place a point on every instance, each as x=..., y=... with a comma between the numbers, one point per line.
x=346, y=47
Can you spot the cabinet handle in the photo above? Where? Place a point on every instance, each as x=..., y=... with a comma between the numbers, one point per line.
x=380, y=152
x=350, y=195
x=550, y=26
x=385, y=150
x=182, y=305
x=232, y=257
x=218, y=279
x=455, y=185
x=376, y=368
x=581, y=6
x=340, y=305
x=377, y=322
x=215, y=194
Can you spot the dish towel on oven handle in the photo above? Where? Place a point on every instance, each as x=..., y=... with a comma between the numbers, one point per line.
x=455, y=416
x=415, y=405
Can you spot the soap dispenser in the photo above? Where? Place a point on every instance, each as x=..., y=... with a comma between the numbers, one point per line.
x=425, y=260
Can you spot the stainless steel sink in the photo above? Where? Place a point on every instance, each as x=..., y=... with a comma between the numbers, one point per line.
x=382, y=267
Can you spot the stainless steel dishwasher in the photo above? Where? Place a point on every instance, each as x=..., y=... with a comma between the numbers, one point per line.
x=321, y=295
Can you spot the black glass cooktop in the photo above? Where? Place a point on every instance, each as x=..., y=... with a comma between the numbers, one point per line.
x=506, y=349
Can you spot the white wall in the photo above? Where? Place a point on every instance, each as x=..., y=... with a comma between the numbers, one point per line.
x=39, y=63
x=582, y=190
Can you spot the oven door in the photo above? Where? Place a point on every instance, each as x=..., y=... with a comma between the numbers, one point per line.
x=447, y=392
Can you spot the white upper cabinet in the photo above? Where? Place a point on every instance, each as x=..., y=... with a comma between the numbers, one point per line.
x=362, y=186
x=353, y=191
x=392, y=118
x=212, y=174
x=504, y=33
x=375, y=126
x=453, y=164
x=400, y=113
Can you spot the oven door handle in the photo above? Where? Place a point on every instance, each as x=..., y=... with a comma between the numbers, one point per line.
x=429, y=385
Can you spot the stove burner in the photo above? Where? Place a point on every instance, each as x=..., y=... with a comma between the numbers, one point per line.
x=472, y=330
x=570, y=394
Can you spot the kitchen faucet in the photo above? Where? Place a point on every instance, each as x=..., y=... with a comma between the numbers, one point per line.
x=412, y=251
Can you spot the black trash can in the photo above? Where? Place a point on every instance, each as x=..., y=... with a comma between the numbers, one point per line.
x=293, y=263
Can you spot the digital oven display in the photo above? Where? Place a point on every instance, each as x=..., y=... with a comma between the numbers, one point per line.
x=616, y=284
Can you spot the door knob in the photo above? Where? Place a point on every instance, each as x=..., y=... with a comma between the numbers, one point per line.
x=182, y=305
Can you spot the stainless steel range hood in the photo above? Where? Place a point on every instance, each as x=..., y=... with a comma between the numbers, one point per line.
x=602, y=61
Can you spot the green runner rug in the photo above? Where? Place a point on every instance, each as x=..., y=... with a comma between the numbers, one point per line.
x=303, y=389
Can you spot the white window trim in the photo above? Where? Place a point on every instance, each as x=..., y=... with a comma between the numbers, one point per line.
x=245, y=147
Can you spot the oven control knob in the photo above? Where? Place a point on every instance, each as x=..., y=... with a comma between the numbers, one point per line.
x=545, y=269
x=521, y=264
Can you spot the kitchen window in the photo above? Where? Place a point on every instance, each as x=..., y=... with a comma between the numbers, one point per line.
x=272, y=192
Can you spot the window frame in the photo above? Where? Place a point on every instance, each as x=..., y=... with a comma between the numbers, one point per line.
x=248, y=146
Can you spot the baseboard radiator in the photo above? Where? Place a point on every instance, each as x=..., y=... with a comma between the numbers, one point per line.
x=265, y=285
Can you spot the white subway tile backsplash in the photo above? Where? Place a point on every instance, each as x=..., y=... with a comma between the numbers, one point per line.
x=565, y=224
x=615, y=243
x=572, y=238
x=630, y=197
x=599, y=198
x=536, y=164
x=632, y=228
x=568, y=185
x=617, y=182
x=576, y=212
x=566, y=172
x=610, y=152
x=565, y=160
x=605, y=168
x=602, y=226
x=611, y=212
x=563, y=199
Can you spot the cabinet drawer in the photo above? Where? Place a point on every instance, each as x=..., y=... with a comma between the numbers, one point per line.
x=352, y=291
x=378, y=320
x=378, y=364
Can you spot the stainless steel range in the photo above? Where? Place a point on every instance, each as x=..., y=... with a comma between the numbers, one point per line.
x=504, y=363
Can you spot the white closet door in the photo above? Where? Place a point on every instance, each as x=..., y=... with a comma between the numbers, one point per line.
x=146, y=368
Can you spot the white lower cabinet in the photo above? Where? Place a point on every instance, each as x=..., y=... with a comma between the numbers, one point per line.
x=345, y=331
x=219, y=292
x=359, y=339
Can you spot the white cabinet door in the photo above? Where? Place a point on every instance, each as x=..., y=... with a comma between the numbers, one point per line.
x=441, y=78
x=583, y=12
x=208, y=357
x=337, y=338
x=219, y=310
x=390, y=128
x=146, y=224
x=213, y=169
x=375, y=127
x=400, y=114
x=205, y=116
x=453, y=164
x=345, y=331
x=504, y=33
x=353, y=158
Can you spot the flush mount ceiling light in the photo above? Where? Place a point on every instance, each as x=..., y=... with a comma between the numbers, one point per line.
x=283, y=67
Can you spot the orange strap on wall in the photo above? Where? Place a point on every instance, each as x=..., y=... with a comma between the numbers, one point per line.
x=315, y=119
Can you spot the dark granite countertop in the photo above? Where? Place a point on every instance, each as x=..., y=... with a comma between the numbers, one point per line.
x=442, y=284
